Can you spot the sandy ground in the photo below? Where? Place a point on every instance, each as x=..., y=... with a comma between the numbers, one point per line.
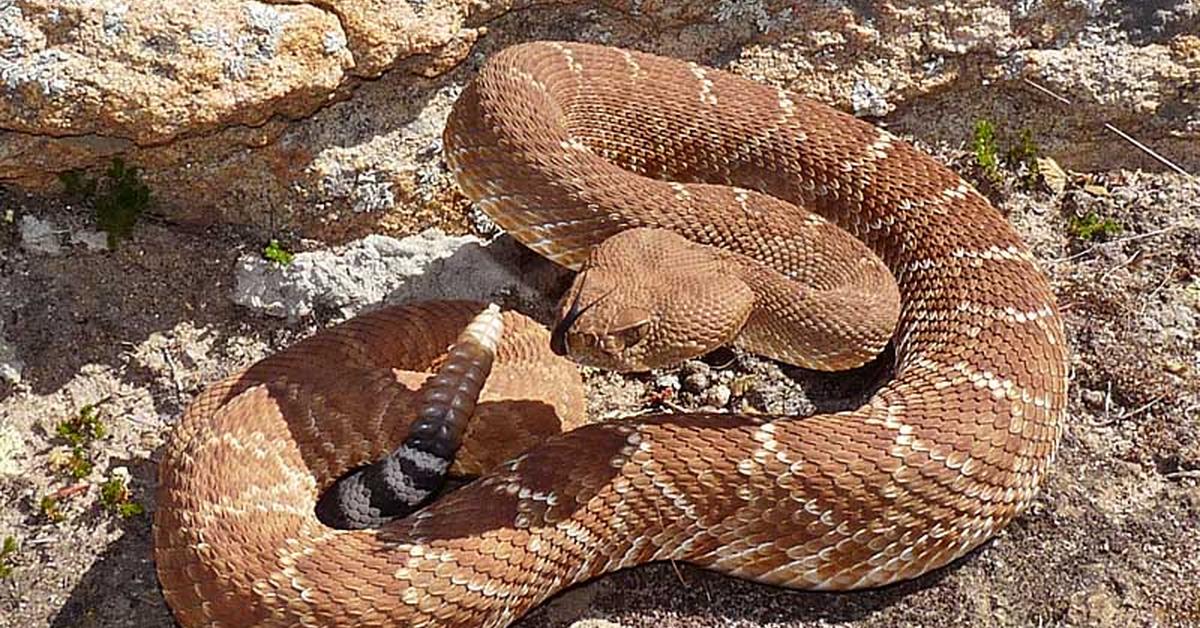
x=1113, y=539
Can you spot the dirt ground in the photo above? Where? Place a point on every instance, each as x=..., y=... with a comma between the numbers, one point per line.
x=1113, y=539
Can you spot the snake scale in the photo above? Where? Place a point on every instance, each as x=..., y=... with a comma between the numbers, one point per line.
x=566, y=144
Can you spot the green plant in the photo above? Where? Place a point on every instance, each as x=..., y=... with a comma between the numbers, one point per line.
x=50, y=510
x=83, y=428
x=987, y=155
x=79, y=465
x=8, y=556
x=74, y=460
x=276, y=253
x=80, y=431
x=1092, y=227
x=1021, y=156
x=118, y=199
x=122, y=202
x=114, y=495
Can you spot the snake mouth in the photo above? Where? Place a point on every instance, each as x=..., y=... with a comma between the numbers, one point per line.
x=558, y=337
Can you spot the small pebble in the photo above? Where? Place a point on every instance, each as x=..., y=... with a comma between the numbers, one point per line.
x=1175, y=367
x=696, y=383
x=39, y=236
x=692, y=367
x=668, y=380
x=1093, y=398
x=718, y=396
x=92, y=240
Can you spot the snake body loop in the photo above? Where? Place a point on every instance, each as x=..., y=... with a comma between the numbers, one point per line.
x=564, y=145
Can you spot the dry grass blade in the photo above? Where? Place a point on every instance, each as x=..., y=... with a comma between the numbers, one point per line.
x=1119, y=133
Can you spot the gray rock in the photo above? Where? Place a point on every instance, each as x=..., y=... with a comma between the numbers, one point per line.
x=12, y=450
x=668, y=380
x=718, y=396
x=347, y=279
x=92, y=240
x=868, y=100
x=11, y=366
x=39, y=236
x=694, y=366
x=696, y=383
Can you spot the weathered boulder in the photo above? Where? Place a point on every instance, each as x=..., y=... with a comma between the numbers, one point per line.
x=149, y=72
x=325, y=116
x=376, y=269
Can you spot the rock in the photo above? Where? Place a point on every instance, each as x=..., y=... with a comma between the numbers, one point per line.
x=380, y=34
x=146, y=71
x=692, y=367
x=91, y=240
x=11, y=366
x=12, y=449
x=1100, y=607
x=868, y=100
x=39, y=236
x=718, y=396
x=184, y=91
x=696, y=383
x=1093, y=398
x=254, y=112
x=42, y=237
x=1191, y=498
x=668, y=381
x=430, y=265
x=1118, y=82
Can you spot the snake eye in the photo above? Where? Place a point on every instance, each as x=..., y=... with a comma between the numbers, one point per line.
x=631, y=335
x=628, y=329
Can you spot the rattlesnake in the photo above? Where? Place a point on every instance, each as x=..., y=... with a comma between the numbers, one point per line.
x=937, y=461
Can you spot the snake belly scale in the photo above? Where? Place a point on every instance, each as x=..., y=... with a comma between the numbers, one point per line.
x=566, y=144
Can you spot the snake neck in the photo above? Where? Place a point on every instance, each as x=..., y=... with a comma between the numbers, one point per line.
x=830, y=327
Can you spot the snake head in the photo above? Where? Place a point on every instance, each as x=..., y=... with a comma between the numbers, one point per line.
x=649, y=298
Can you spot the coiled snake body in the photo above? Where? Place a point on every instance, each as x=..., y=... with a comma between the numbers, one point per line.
x=937, y=461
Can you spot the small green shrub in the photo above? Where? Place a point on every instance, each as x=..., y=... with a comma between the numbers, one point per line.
x=114, y=496
x=83, y=428
x=1092, y=227
x=80, y=464
x=80, y=431
x=1022, y=158
x=50, y=510
x=8, y=556
x=275, y=252
x=987, y=155
x=122, y=202
x=78, y=185
x=119, y=198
